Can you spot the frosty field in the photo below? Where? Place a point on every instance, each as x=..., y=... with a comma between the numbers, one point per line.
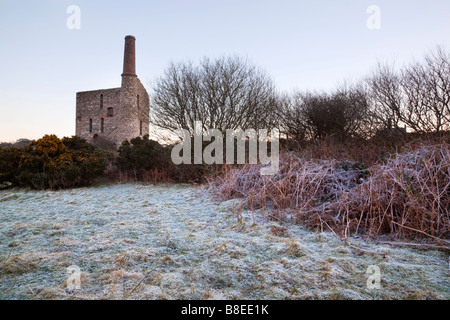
x=135, y=241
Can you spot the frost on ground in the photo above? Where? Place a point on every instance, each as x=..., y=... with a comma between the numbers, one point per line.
x=174, y=242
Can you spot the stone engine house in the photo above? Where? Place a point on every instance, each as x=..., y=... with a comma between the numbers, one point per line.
x=110, y=116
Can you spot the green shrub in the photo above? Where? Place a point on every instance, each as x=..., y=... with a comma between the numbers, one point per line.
x=146, y=160
x=9, y=164
x=141, y=154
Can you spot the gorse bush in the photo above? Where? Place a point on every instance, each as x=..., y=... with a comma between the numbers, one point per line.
x=52, y=163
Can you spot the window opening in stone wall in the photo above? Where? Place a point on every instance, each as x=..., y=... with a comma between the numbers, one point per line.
x=101, y=101
x=90, y=125
x=110, y=112
x=140, y=128
x=102, y=125
x=138, y=101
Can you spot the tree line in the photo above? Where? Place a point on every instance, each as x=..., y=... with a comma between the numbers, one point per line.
x=232, y=92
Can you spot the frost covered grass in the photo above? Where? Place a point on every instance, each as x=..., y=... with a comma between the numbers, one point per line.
x=136, y=241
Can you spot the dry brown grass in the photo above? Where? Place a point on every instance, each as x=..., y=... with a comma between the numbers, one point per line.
x=18, y=264
x=407, y=196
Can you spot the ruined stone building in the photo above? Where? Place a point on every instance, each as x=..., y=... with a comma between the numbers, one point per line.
x=113, y=115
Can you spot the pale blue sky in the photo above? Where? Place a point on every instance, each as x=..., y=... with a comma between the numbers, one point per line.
x=302, y=44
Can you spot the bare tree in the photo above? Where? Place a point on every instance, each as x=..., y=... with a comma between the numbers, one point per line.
x=385, y=92
x=418, y=95
x=226, y=93
x=426, y=87
x=344, y=113
x=290, y=117
x=358, y=114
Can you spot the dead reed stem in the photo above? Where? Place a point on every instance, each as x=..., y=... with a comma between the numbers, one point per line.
x=407, y=196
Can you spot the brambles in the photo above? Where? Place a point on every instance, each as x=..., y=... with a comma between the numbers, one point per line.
x=407, y=196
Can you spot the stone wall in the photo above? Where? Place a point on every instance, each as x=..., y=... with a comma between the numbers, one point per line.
x=89, y=107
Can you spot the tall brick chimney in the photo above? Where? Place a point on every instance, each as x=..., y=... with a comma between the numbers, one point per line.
x=129, y=57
